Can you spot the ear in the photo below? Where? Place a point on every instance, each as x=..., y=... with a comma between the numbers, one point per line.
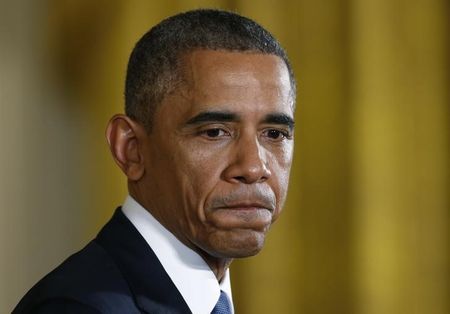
x=125, y=138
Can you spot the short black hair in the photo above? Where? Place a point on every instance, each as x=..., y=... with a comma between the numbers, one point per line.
x=154, y=65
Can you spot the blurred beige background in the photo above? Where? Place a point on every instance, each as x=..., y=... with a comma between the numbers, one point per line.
x=366, y=226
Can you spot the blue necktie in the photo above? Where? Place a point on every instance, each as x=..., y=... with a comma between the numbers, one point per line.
x=223, y=305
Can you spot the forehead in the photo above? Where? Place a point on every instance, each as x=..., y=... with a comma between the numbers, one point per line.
x=237, y=79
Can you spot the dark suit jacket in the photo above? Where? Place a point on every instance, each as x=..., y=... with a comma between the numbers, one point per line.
x=117, y=272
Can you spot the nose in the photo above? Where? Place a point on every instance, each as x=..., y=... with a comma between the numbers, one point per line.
x=247, y=163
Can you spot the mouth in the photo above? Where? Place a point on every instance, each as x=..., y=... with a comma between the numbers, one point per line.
x=243, y=210
x=243, y=216
x=247, y=206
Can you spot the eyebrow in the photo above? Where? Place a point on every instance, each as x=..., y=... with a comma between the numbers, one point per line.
x=225, y=116
x=279, y=118
x=213, y=116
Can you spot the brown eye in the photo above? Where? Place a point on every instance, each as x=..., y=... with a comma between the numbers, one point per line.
x=274, y=134
x=214, y=133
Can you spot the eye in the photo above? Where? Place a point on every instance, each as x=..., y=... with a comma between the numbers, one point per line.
x=277, y=135
x=214, y=133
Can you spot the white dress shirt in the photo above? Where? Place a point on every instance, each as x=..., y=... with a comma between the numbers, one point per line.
x=191, y=275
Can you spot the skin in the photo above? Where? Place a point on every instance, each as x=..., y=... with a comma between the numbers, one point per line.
x=215, y=168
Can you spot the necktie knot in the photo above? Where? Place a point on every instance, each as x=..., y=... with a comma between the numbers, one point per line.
x=223, y=305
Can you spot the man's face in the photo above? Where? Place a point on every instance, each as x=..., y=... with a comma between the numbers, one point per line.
x=218, y=158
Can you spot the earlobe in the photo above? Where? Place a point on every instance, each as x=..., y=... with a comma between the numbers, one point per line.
x=124, y=138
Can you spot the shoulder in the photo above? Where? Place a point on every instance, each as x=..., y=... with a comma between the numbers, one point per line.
x=115, y=273
x=63, y=306
x=89, y=278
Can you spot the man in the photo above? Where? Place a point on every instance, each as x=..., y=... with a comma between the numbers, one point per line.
x=206, y=145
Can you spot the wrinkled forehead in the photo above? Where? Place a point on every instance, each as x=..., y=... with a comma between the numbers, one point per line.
x=250, y=86
x=211, y=69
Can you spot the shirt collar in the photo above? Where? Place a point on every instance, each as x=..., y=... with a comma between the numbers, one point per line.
x=191, y=275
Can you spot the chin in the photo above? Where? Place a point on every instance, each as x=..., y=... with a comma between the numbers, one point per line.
x=244, y=243
x=248, y=252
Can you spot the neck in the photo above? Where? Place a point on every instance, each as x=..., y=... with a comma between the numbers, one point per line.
x=219, y=266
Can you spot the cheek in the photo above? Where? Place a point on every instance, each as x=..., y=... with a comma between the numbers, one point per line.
x=286, y=163
x=281, y=168
x=200, y=173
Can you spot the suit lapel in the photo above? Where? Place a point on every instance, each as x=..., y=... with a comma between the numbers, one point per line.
x=152, y=288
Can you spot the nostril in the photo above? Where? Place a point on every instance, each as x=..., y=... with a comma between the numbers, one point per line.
x=240, y=179
x=249, y=180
